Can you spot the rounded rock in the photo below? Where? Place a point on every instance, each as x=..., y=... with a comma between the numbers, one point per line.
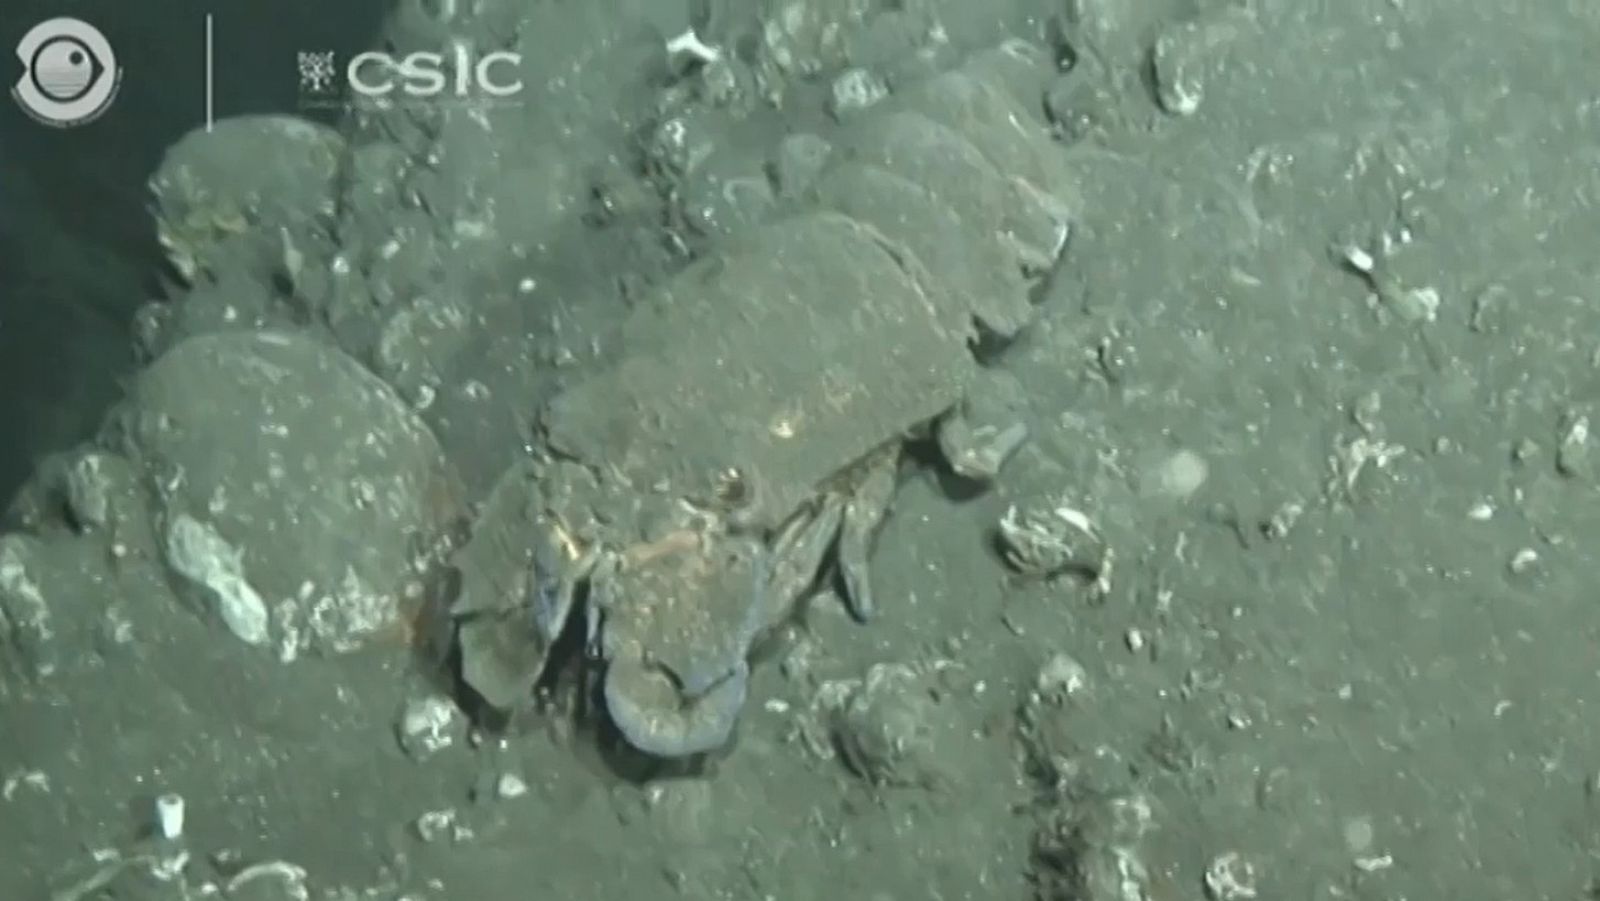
x=886, y=730
x=212, y=185
x=320, y=483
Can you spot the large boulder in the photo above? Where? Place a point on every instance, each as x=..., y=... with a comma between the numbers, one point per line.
x=298, y=500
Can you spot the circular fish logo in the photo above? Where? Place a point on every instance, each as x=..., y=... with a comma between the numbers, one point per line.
x=69, y=72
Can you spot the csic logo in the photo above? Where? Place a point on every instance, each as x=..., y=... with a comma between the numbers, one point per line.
x=69, y=73
x=425, y=74
x=421, y=75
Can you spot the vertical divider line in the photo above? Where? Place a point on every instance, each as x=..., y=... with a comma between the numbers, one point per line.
x=210, y=67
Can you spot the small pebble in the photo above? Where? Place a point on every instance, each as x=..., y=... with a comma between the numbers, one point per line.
x=1523, y=561
x=1230, y=877
x=855, y=90
x=510, y=785
x=426, y=726
x=1061, y=676
x=1180, y=475
x=436, y=825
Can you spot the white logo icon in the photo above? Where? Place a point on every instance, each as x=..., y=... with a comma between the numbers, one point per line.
x=69, y=73
x=316, y=70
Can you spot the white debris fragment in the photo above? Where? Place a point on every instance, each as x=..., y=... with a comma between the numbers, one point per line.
x=170, y=867
x=88, y=495
x=1375, y=863
x=169, y=816
x=856, y=89
x=1042, y=542
x=510, y=785
x=291, y=876
x=1230, y=877
x=37, y=780
x=426, y=725
x=1523, y=561
x=1416, y=304
x=1359, y=259
x=351, y=612
x=436, y=825
x=24, y=614
x=689, y=43
x=199, y=554
x=1076, y=518
x=1061, y=677
x=1135, y=640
